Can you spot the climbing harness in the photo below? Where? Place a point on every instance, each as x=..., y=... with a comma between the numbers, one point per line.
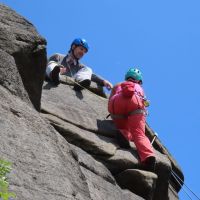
x=145, y=100
x=121, y=116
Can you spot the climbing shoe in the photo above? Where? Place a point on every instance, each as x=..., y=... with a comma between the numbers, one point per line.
x=54, y=75
x=82, y=84
x=149, y=164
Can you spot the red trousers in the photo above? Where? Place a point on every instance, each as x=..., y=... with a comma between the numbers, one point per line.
x=133, y=130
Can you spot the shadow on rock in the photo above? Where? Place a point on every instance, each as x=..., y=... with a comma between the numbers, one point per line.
x=48, y=85
x=106, y=128
x=79, y=94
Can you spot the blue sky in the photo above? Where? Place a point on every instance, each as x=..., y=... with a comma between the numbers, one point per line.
x=162, y=38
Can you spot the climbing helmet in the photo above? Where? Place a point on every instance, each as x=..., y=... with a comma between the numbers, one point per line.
x=134, y=73
x=80, y=42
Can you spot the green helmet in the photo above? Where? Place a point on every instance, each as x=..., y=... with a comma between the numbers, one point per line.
x=134, y=74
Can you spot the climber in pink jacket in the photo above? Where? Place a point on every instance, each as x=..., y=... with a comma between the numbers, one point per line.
x=127, y=108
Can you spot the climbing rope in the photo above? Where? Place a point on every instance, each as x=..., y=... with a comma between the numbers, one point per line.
x=181, y=182
x=176, y=177
x=172, y=172
x=76, y=83
x=72, y=80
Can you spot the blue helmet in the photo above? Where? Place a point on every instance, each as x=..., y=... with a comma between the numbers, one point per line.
x=134, y=73
x=80, y=42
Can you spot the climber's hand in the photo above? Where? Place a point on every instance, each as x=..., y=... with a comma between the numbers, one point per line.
x=63, y=70
x=107, y=84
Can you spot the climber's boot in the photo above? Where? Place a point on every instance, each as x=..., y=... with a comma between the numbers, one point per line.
x=82, y=84
x=149, y=164
x=54, y=75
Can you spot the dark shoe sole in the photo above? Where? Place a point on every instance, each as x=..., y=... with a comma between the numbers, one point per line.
x=149, y=164
x=81, y=85
x=55, y=75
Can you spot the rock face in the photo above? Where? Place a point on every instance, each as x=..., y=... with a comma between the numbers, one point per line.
x=22, y=57
x=68, y=150
x=79, y=116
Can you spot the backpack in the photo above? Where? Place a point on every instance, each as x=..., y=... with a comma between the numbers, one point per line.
x=128, y=89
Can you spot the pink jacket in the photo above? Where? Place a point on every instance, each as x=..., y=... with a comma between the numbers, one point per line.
x=126, y=96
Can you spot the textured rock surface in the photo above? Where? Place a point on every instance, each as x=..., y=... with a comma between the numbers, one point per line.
x=69, y=151
x=134, y=178
x=81, y=122
x=22, y=56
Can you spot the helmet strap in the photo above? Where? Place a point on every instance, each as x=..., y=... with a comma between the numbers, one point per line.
x=130, y=79
x=135, y=81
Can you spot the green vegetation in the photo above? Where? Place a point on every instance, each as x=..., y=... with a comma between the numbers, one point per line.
x=5, y=168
